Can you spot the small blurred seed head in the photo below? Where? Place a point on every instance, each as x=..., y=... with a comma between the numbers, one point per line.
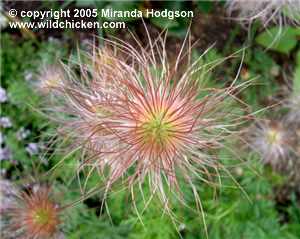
x=49, y=80
x=268, y=12
x=291, y=100
x=274, y=140
x=293, y=106
x=33, y=212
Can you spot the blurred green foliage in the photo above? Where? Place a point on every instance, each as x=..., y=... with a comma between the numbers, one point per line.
x=259, y=65
x=232, y=215
x=282, y=39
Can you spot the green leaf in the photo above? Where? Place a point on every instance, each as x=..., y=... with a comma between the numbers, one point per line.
x=298, y=58
x=296, y=30
x=291, y=13
x=296, y=88
x=162, y=22
x=176, y=5
x=85, y=4
x=205, y=6
x=282, y=42
x=176, y=27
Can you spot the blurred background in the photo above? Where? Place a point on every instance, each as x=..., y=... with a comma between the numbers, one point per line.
x=30, y=56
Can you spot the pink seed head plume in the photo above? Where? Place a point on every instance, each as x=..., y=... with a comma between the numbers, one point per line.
x=34, y=212
x=137, y=117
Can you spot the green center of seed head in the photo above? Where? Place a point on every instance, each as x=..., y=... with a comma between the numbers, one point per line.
x=53, y=80
x=44, y=216
x=273, y=137
x=158, y=129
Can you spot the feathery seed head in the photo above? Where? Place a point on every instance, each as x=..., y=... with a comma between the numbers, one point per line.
x=273, y=137
x=138, y=116
x=160, y=126
x=49, y=80
x=273, y=140
x=291, y=102
x=268, y=12
x=34, y=213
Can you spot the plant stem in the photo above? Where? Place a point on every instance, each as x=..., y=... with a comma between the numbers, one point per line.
x=226, y=47
x=99, y=19
x=22, y=30
x=236, y=60
x=68, y=31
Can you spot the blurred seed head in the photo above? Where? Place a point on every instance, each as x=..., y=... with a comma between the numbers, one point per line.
x=268, y=12
x=34, y=212
x=274, y=140
x=292, y=104
x=48, y=80
x=291, y=100
x=33, y=207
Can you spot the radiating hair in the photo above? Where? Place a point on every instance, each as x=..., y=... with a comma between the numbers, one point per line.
x=136, y=118
x=274, y=140
x=34, y=211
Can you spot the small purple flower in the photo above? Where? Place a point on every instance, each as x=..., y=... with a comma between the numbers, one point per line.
x=3, y=95
x=5, y=122
x=5, y=153
x=22, y=133
x=32, y=148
